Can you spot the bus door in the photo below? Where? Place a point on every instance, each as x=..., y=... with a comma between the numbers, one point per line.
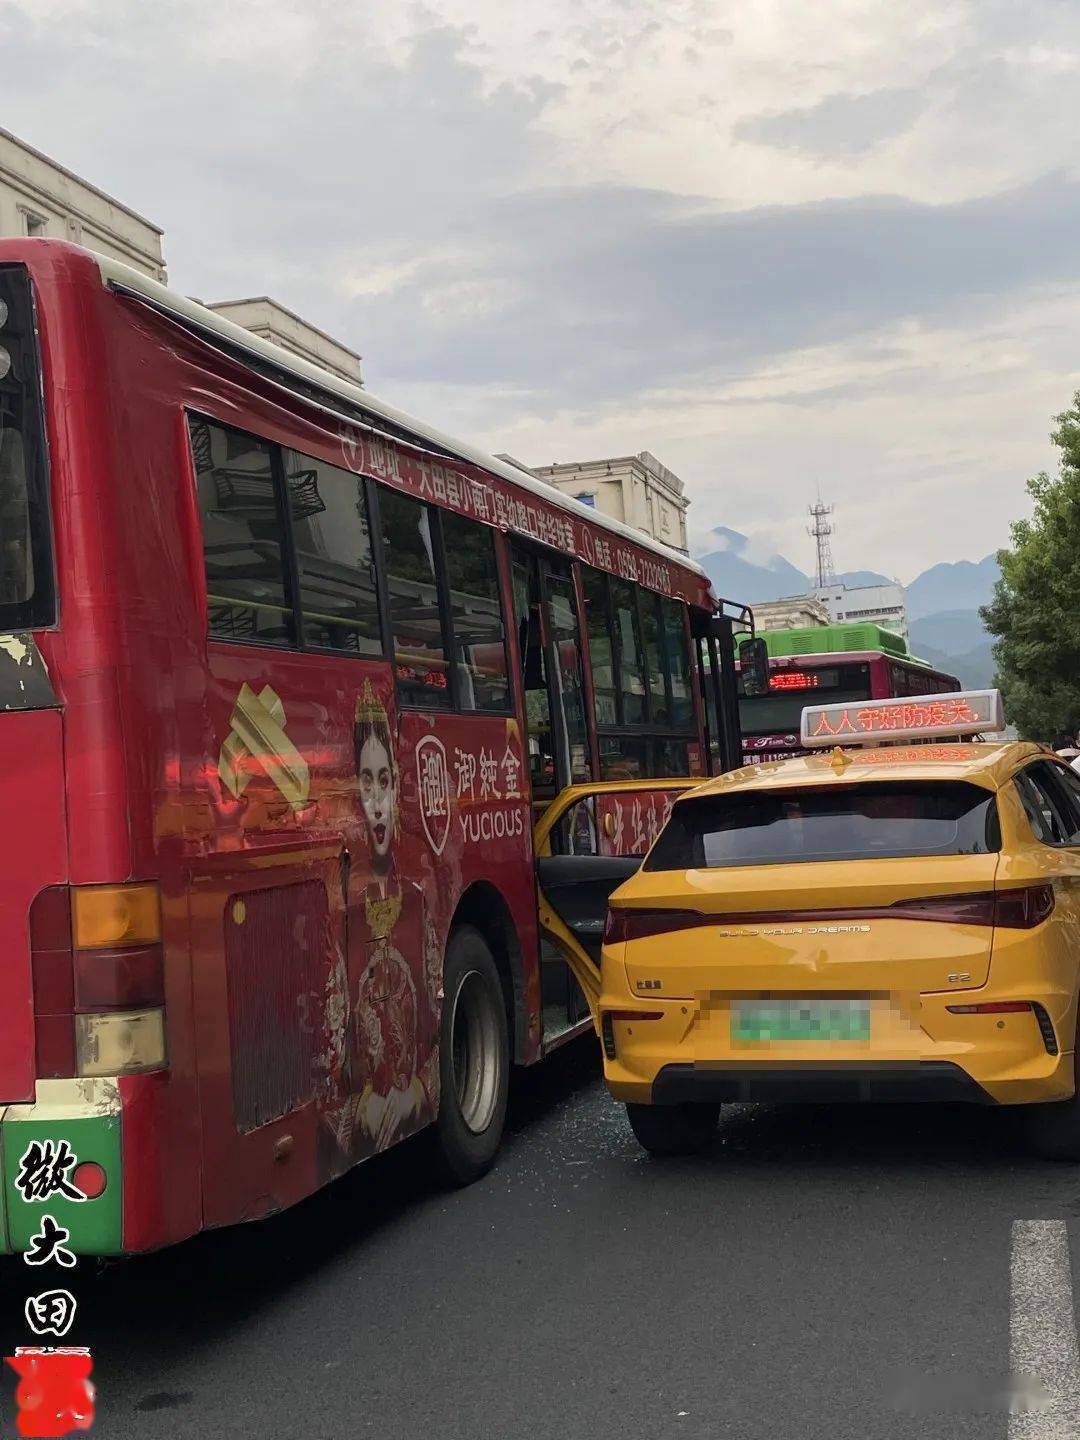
x=714, y=641
x=573, y=889
x=545, y=614
x=556, y=738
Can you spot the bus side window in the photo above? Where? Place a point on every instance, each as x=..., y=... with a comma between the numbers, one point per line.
x=630, y=652
x=242, y=536
x=601, y=654
x=416, y=618
x=678, y=661
x=476, y=614
x=334, y=558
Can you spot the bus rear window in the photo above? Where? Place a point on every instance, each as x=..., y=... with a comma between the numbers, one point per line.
x=26, y=584
x=781, y=709
x=851, y=822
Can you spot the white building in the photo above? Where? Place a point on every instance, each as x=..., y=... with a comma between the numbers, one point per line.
x=635, y=489
x=793, y=612
x=884, y=605
x=265, y=317
x=40, y=198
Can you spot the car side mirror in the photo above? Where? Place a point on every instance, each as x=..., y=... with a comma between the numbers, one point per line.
x=754, y=666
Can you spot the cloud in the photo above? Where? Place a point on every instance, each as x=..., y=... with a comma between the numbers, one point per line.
x=773, y=244
x=839, y=125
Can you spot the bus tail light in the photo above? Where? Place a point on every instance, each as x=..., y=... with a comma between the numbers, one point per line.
x=120, y=1042
x=107, y=915
x=99, y=981
x=119, y=979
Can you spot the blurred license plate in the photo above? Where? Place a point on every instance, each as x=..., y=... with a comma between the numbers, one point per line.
x=800, y=1020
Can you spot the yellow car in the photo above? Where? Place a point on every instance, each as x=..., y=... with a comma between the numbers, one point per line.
x=896, y=923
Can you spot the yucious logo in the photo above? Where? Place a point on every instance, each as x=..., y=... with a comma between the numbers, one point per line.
x=485, y=781
x=433, y=779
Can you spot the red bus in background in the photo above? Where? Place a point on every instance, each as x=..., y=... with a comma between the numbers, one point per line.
x=286, y=679
x=827, y=664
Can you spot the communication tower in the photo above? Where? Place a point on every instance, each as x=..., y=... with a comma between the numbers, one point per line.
x=821, y=529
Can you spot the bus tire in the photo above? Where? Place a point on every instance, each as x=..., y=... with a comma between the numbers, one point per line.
x=673, y=1129
x=474, y=1059
x=1053, y=1130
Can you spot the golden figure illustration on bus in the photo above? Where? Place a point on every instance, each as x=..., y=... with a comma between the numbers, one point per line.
x=387, y=1022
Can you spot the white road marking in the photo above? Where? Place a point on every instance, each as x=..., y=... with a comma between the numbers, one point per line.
x=1042, y=1331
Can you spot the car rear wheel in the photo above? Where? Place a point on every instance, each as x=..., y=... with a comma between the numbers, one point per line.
x=673, y=1129
x=474, y=1059
x=1053, y=1131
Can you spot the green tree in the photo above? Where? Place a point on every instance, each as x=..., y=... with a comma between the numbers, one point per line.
x=1035, y=612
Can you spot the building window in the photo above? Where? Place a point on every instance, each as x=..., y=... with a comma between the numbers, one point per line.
x=36, y=225
x=588, y=497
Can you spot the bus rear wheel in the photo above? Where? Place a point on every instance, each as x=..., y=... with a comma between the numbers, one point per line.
x=474, y=1060
x=673, y=1129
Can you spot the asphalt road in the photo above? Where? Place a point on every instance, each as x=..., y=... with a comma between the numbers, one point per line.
x=834, y=1273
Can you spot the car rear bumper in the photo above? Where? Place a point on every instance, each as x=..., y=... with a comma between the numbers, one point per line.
x=932, y=1081
x=991, y=1058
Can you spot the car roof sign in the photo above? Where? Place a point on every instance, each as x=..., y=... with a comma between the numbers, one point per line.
x=868, y=722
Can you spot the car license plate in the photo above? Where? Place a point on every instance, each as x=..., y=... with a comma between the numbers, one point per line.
x=800, y=1020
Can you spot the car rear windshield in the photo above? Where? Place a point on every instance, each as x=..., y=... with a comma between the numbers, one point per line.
x=850, y=822
x=26, y=580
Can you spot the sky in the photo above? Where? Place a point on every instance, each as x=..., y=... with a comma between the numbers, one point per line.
x=789, y=249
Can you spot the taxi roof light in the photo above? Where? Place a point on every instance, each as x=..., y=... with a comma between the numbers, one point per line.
x=923, y=717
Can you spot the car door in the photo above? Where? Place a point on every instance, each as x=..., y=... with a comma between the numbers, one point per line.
x=578, y=865
x=1050, y=794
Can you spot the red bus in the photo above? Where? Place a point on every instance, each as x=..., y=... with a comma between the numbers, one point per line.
x=286, y=678
x=825, y=664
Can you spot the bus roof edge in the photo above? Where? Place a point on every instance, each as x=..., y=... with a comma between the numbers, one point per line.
x=114, y=272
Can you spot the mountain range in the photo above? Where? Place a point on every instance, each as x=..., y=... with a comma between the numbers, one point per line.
x=942, y=602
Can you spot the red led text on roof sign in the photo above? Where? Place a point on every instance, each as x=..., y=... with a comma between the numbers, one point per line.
x=931, y=715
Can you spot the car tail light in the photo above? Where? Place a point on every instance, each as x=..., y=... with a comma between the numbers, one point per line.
x=991, y=1007
x=626, y=924
x=1019, y=909
x=99, y=984
x=973, y=909
x=1025, y=908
